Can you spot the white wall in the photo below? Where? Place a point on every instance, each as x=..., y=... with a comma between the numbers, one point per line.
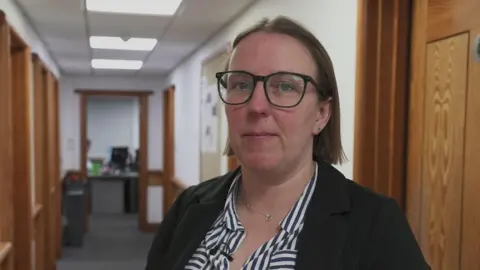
x=16, y=19
x=112, y=121
x=70, y=114
x=333, y=22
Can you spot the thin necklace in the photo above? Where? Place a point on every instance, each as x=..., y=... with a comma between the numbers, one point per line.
x=267, y=216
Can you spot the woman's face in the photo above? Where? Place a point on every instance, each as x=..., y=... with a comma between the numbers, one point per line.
x=264, y=136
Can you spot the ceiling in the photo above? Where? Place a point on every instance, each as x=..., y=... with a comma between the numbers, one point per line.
x=65, y=26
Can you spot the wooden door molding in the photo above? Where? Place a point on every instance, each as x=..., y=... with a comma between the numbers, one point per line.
x=47, y=167
x=415, y=118
x=52, y=169
x=20, y=72
x=168, y=148
x=143, y=168
x=41, y=177
x=381, y=96
x=143, y=97
x=6, y=157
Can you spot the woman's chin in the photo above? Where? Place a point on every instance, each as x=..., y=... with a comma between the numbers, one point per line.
x=258, y=161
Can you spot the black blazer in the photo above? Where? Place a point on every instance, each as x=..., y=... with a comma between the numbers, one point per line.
x=346, y=227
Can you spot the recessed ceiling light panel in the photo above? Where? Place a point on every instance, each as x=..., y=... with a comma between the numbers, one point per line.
x=140, y=7
x=118, y=43
x=116, y=64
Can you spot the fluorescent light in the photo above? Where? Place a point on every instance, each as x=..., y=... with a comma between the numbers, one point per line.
x=116, y=64
x=117, y=43
x=145, y=7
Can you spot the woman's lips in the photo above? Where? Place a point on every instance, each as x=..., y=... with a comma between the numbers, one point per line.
x=259, y=135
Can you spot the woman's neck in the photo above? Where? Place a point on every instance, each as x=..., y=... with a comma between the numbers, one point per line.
x=275, y=191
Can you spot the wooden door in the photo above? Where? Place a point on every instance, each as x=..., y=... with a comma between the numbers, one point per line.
x=443, y=161
x=6, y=150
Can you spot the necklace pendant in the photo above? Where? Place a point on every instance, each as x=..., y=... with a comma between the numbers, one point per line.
x=268, y=217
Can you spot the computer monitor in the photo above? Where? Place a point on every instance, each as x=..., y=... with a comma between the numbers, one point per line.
x=119, y=156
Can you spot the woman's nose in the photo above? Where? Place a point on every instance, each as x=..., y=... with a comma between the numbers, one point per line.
x=259, y=102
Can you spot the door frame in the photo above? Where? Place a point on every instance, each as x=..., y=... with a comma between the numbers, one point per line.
x=6, y=139
x=382, y=96
x=143, y=97
x=169, y=183
x=20, y=87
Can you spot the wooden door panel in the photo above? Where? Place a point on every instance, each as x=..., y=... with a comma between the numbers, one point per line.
x=446, y=88
x=450, y=17
x=471, y=191
x=442, y=198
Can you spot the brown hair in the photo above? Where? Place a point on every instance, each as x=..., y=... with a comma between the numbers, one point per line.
x=327, y=145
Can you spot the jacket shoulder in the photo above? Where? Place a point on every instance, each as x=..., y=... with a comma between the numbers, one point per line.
x=363, y=197
x=206, y=189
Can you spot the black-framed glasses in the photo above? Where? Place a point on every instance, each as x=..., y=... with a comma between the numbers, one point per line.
x=282, y=89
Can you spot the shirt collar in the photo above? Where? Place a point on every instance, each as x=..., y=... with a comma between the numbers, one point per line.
x=294, y=219
x=229, y=217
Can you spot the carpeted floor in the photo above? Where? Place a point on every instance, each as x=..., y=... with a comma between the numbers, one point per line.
x=112, y=243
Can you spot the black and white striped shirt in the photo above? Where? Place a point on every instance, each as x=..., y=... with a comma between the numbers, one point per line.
x=227, y=233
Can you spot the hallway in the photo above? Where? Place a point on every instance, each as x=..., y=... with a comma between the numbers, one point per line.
x=113, y=242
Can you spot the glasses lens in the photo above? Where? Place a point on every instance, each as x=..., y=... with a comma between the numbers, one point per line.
x=284, y=89
x=235, y=87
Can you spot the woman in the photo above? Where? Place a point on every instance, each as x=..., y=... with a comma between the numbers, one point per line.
x=283, y=209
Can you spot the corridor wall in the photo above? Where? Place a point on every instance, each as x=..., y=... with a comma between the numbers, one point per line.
x=29, y=177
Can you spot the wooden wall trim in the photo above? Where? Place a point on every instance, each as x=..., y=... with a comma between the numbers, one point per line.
x=168, y=147
x=42, y=261
x=22, y=188
x=36, y=211
x=155, y=178
x=143, y=160
x=5, y=250
x=414, y=183
x=57, y=176
x=6, y=165
x=52, y=191
x=178, y=183
x=381, y=96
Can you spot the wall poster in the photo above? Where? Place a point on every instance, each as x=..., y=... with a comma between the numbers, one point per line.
x=211, y=116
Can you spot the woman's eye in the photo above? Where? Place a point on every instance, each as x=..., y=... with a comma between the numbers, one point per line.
x=286, y=87
x=241, y=86
x=282, y=86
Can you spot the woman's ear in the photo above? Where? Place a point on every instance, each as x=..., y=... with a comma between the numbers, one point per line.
x=323, y=114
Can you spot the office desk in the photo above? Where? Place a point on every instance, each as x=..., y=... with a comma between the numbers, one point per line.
x=114, y=193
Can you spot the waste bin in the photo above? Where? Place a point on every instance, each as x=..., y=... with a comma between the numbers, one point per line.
x=74, y=210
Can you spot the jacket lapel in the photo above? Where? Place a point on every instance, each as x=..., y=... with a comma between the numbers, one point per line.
x=322, y=239
x=197, y=220
x=193, y=228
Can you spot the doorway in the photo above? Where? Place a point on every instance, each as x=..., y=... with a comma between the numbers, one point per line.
x=139, y=156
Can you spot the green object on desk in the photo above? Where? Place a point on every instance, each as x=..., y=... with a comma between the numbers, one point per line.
x=96, y=166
